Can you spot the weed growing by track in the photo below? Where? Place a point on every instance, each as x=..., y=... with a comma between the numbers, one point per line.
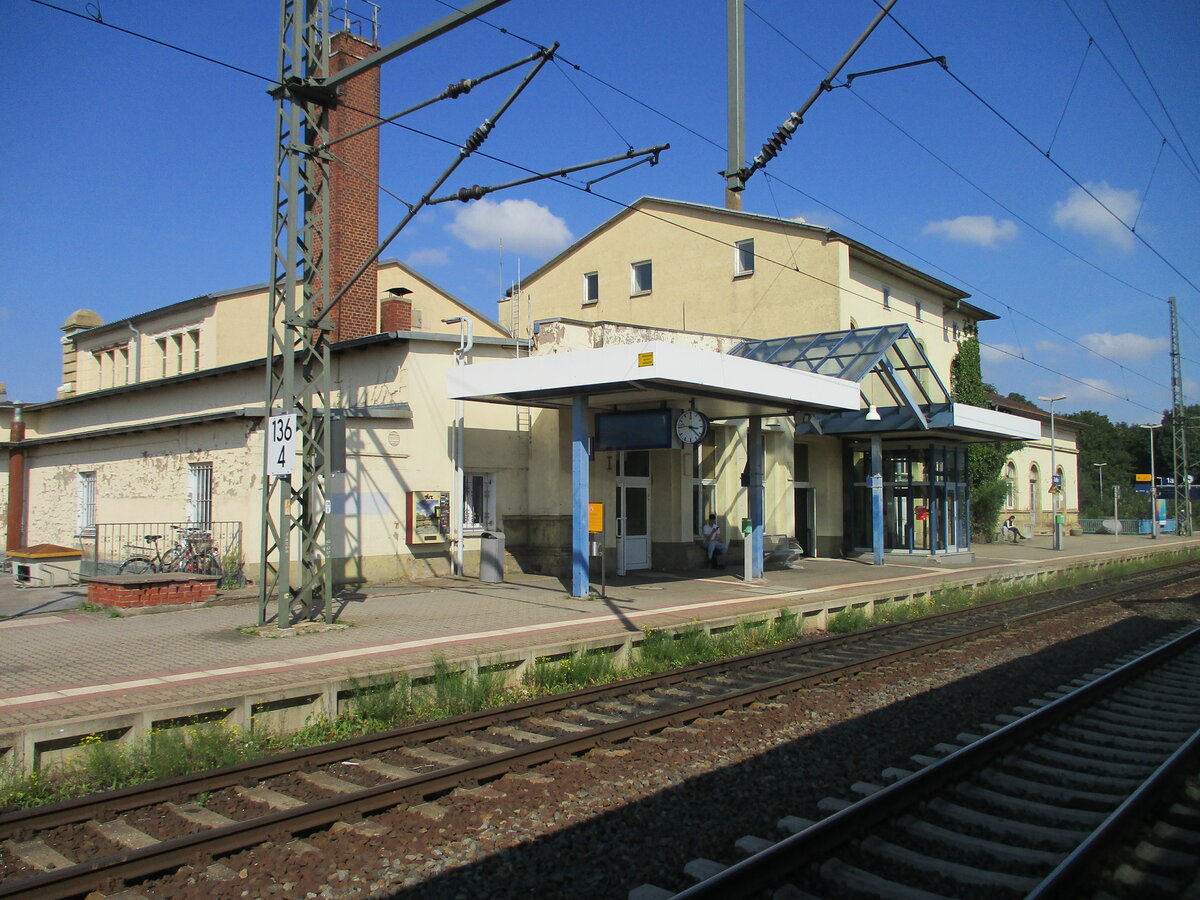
x=386, y=702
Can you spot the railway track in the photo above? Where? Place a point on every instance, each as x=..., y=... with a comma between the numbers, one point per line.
x=281, y=797
x=1094, y=791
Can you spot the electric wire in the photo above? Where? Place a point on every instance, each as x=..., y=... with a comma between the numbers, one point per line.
x=97, y=20
x=1150, y=82
x=1191, y=169
x=1006, y=305
x=1045, y=154
x=1070, y=95
x=567, y=181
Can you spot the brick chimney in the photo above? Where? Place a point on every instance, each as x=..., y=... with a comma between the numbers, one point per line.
x=354, y=191
x=395, y=312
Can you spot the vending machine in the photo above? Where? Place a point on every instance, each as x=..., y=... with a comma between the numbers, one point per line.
x=428, y=517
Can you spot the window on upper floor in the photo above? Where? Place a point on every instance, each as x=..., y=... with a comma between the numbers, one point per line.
x=920, y=310
x=591, y=288
x=641, y=278
x=743, y=258
x=112, y=366
x=887, y=298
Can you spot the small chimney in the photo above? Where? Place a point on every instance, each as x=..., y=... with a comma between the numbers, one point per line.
x=395, y=310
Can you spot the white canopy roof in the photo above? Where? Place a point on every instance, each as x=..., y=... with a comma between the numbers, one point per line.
x=651, y=373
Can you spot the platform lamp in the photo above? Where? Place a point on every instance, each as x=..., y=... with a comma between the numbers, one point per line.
x=1153, y=484
x=1058, y=543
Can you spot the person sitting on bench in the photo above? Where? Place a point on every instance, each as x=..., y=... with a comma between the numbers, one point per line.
x=1010, y=527
x=713, y=548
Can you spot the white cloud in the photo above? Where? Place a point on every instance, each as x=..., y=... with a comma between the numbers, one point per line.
x=1045, y=346
x=983, y=231
x=1127, y=346
x=522, y=226
x=1081, y=213
x=430, y=256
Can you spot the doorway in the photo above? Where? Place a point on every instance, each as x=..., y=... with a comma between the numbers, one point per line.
x=806, y=515
x=633, y=510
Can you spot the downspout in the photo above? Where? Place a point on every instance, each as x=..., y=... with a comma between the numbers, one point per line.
x=16, y=483
x=466, y=340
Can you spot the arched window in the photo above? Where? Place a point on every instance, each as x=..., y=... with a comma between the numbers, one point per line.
x=1062, y=483
x=1010, y=486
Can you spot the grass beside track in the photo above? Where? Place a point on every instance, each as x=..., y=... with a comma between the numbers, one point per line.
x=392, y=701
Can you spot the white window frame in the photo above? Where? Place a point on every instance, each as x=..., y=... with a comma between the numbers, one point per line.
x=1010, y=485
x=479, y=501
x=591, y=288
x=85, y=503
x=743, y=258
x=635, y=283
x=199, y=499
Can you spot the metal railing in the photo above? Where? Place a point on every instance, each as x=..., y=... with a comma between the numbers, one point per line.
x=1128, y=526
x=113, y=543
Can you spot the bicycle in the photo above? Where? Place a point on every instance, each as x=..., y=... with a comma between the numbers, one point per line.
x=199, y=555
x=159, y=560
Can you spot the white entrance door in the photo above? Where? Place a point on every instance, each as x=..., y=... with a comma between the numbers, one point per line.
x=633, y=511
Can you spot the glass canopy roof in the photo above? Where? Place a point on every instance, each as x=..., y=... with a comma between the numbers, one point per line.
x=855, y=354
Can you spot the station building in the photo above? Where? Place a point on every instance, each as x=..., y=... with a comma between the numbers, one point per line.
x=678, y=360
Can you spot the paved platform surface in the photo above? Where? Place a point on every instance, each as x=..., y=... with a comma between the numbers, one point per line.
x=60, y=661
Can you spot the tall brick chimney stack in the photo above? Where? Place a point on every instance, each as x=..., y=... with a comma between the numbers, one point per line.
x=354, y=191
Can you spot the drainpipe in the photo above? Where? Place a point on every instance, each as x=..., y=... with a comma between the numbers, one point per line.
x=466, y=340
x=137, y=353
x=16, y=483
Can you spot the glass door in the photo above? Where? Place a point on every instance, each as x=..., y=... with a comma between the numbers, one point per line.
x=633, y=511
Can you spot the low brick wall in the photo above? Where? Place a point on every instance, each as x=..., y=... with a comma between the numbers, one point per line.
x=161, y=589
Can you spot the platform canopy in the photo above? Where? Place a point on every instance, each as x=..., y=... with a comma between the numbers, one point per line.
x=892, y=357
x=629, y=376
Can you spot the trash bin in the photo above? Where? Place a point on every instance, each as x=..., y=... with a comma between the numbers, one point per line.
x=491, y=557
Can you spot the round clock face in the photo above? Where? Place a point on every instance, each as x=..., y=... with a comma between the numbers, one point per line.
x=691, y=426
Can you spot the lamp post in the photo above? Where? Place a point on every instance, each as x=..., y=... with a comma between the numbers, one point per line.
x=1153, y=484
x=1058, y=544
x=1100, y=472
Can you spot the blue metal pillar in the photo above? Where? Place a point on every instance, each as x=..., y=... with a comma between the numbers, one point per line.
x=877, y=498
x=755, y=459
x=580, y=494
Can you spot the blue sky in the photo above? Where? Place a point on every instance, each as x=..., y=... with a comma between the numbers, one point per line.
x=138, y=176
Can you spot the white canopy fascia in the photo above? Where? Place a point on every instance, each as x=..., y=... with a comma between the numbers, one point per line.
x=650, y=372
x=994, y=424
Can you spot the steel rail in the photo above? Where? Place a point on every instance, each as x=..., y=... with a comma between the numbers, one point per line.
x=133, y=865
x=17, y=823
x=765, y=870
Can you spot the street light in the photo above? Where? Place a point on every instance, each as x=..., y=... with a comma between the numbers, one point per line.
x=1153, y=483
x=1054, y=473
x=1100, y=472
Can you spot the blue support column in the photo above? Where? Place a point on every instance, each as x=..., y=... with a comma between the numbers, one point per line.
x=755, y=466
x=580, y=494
x=877, y=498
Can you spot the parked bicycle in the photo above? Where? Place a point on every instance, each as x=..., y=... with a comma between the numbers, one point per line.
x=193, y=551
x=150, y=559
x=199, y=555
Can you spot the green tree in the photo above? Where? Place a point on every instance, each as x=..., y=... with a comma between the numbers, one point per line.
x=984, y=461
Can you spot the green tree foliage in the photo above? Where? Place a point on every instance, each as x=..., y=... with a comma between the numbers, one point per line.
x=985, y=461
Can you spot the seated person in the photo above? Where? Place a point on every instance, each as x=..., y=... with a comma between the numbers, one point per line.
x=713, y=548
x=1010, y=527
